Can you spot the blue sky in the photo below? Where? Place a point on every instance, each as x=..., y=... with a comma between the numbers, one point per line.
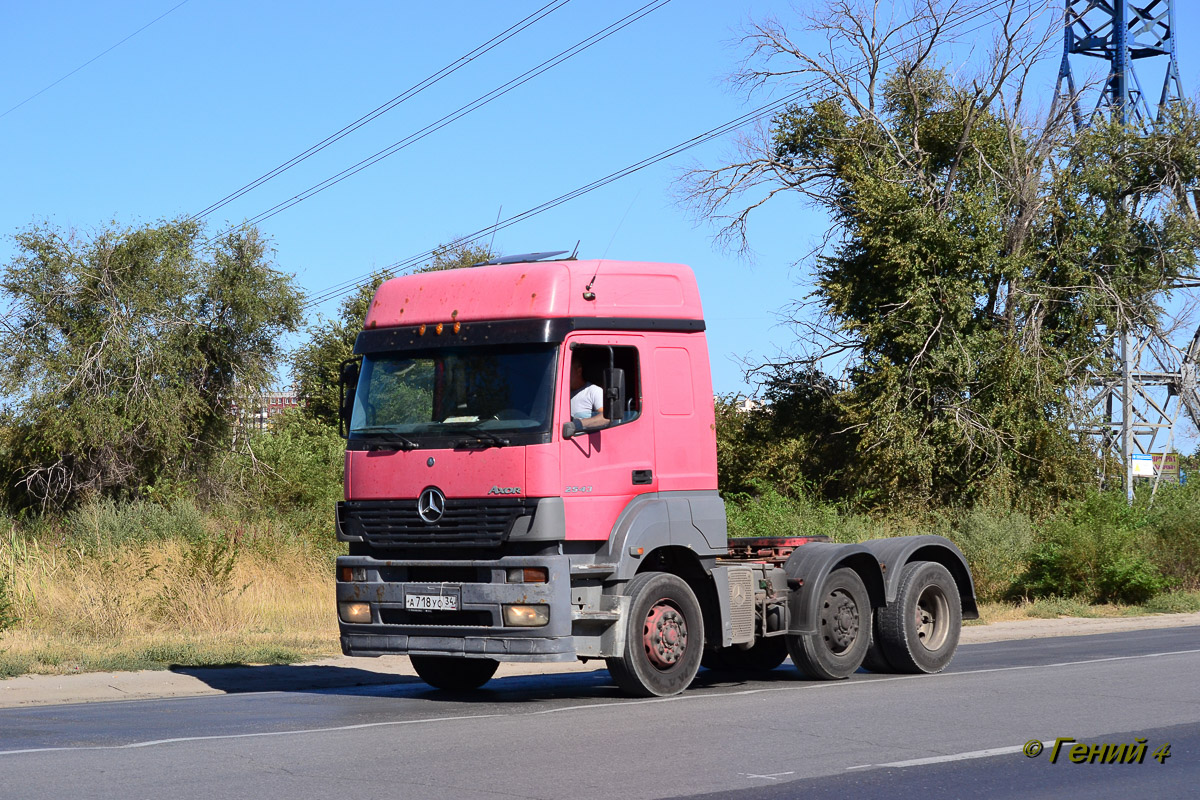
x=218, y=92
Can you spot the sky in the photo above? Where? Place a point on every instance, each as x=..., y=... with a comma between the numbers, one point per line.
x=217, y=92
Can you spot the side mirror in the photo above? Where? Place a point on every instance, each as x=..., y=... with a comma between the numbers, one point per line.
x=348, y=374
x=614, y=394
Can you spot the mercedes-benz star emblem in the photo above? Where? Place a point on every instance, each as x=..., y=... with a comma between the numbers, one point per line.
x=431, y=505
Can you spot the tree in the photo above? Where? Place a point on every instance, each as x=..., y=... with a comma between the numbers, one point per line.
x=125, y=355
x=315, y=364
x=975, y=249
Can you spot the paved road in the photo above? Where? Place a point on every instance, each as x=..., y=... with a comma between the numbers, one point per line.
x=957, y=734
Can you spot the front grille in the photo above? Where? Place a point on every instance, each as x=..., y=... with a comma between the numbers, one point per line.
x=469, y=522
x=441, y=574
x=472, y=619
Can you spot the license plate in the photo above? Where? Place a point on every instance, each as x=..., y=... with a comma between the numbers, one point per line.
x=431, y=602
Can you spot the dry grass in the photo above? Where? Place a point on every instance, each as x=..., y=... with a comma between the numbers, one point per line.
x=1054, y=607
x=163, y=603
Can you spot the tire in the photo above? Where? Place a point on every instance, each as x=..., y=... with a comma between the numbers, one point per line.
x=843, y=634
x=919, y=632
x=765, y=655
x=452, y=673
x=663, y=640
x=876, y=659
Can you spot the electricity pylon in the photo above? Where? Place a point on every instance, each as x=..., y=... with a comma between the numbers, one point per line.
x=1132, y=407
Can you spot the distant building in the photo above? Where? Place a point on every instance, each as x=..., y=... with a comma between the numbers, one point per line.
x=268, y=406
x=275, y=403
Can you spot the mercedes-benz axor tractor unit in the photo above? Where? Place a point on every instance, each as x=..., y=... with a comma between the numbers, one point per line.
x=487, y=522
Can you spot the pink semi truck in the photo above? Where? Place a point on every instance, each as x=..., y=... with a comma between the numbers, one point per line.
x=486, y=521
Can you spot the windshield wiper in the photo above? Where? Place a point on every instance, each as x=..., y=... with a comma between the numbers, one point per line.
x=389, y=436
x=483, y=440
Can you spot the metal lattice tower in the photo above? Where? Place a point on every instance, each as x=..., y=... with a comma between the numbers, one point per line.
x=1139, y=400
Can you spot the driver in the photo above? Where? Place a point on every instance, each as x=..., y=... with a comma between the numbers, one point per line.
x=587, y=399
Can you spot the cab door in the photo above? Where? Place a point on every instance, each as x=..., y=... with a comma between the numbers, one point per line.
x=604, y=468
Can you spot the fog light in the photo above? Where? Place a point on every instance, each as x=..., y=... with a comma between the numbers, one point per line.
x=528, y=575
x=355, y=612
x=526, y=616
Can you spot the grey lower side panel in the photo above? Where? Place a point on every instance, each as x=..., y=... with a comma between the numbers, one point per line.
x=499, y=648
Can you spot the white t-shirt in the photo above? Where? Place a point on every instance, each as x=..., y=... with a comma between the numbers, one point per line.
x=587, y=402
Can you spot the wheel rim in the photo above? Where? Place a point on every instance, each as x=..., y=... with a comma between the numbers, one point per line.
x=664, y=635
x=840, y=621
x=932, y=615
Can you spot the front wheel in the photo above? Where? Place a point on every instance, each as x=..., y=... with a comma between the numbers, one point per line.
x=919, y=632
x=452, y=673
x=664, y=638
x=843, y=634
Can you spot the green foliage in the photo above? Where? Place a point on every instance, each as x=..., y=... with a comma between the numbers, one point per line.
x=1173, y=603
x=102, y=525
x=770, y=513
x=125, y=354
x=974, y=255
x=1093, y=551
x=996, y=543
x=1174, y=540
x=1053, y=607
x=296, y=464
x=315, y=364
x=783, y=441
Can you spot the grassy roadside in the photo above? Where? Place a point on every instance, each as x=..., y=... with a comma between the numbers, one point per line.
x=1181, y=602
x=98, y=593
x=147, y=586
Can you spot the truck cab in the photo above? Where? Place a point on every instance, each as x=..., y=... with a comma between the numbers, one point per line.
x=487, y=522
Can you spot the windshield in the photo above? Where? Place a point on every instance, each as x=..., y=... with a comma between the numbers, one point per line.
x=455, y=392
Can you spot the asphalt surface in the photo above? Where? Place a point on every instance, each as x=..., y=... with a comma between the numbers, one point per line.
x=958, y=734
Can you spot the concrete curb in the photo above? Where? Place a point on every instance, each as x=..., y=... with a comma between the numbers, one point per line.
x=331, y=673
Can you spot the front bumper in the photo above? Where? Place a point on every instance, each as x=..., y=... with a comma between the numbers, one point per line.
x=477, y=628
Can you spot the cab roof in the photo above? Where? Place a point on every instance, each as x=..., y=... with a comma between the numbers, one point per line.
x=538, y=290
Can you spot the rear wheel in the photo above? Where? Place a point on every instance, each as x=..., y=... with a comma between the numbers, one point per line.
x=452, y=673
x=843, y=635
x=876, y=659
x=766, y=654
x=919, y=632
x=664, y=638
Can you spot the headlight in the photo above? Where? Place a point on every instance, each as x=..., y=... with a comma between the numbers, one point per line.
x=526, y=616
x=355, y=612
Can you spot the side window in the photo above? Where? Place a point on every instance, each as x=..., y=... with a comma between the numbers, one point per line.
x=588, y=366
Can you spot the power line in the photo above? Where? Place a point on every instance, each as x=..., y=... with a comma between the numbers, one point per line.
x=453, y=116
x=94, y=58
x=727, y=127
x=407, y=94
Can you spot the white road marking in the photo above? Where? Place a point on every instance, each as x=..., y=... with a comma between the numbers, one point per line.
x=154, y=742
x=774, y=776
x=679, y=698
x=920, y=762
